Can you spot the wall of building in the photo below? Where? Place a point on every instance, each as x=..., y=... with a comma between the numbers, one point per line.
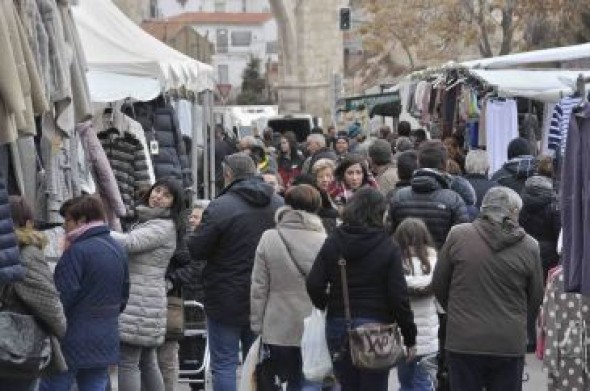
x=168, y=8
x=191, y=43
x=136, y=10
x=235, y=58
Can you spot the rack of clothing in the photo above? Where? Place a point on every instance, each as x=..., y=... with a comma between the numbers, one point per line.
x=43, y=95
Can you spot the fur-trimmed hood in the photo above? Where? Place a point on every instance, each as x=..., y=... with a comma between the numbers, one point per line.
x=30, y=237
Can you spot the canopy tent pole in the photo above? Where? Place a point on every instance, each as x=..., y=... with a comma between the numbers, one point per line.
x=206, y=148
x=195, y=151
x=210, y=103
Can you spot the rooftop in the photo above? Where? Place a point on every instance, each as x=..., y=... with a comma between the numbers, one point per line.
x=223, y=17
x=160, y=29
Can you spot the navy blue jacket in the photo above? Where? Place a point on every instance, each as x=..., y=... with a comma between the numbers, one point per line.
x=92, y=278
x=10, y=267
x=227, y=239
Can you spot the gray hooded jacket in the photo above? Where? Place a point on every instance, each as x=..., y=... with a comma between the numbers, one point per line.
x=487, y=277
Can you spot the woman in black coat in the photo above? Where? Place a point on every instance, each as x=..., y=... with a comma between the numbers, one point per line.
x=377, y=287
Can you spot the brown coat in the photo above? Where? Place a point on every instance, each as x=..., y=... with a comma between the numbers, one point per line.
x=487, y=277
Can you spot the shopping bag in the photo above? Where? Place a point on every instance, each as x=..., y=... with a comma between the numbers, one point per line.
x=248, y=376
x=317, y=363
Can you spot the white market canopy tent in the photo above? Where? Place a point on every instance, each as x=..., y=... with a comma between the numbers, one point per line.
x=114, y=45
x=108, y=87
x=566, y=53
x=546, y=86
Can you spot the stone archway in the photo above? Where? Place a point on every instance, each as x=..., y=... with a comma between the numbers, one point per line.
x=310, y=54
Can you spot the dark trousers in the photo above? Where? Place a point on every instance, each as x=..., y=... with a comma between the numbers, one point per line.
x=471, y=372
x=442, y=374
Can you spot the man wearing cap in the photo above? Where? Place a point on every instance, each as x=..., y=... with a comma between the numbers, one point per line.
x=385, y=172
x=487, y=276
x=227, y=238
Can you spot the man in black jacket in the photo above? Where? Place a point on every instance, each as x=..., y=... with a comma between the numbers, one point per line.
x=429, y=197
x=227, y=238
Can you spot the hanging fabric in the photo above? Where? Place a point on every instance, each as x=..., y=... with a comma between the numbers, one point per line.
x=560, y=121
x=98, y=162
x=575, y=203
x=128, y=162
x=501, y=126
x=565, y=320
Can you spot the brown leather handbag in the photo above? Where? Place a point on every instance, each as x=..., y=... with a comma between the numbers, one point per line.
x=372, y=345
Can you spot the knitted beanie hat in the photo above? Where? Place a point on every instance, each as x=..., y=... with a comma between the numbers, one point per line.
x=518, y=147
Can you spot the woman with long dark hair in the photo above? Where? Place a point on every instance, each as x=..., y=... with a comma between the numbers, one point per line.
x=351, y=174
x=419, y=258
x=376, y=286
x=150, y=244
x=290, y=158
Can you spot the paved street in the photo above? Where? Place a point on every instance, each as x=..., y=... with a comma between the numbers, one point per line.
x=537, y=379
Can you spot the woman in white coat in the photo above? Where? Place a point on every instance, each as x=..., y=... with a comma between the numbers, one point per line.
x=419, y=259
x=278, y=298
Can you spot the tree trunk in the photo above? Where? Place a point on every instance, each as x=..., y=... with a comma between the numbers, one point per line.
x=406, y=49
x=507, y=27
x=484, y=42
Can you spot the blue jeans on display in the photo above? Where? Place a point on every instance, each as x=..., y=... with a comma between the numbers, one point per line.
x=87, y=379
x=224, y=346
x=350, y=377
x=412, y=377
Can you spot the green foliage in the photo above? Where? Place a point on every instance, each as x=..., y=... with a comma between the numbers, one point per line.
x=254, y=89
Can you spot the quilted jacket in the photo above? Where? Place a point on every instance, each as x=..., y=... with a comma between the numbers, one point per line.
x=150, y=245
x=36, y=295
x=10, y=267
x=92, y=279
x=128, y=161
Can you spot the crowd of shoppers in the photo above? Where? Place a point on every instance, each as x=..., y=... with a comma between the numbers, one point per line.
x=428, y=240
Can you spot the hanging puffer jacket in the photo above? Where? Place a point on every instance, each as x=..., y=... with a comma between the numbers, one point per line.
x=10, y=267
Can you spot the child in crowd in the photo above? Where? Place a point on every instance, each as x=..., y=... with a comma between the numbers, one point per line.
x=419, y=259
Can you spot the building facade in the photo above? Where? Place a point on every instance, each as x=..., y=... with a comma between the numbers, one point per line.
x=136, y=10
x=236, y=38
x=169, y=8
x=182, y=37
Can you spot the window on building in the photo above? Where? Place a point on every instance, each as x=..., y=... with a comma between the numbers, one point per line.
x=241, y=38
x=272, y=47
x=222, y=40
x=244, y=6
x=223, y=74
x=220, y=5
